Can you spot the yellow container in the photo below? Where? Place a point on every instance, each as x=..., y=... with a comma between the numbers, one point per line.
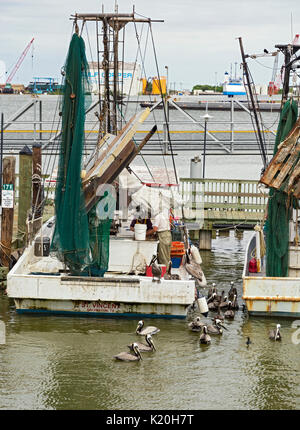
x=159, y=85
x=144, y=85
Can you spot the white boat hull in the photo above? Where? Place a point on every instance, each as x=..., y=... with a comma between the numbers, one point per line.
x=37, y=285
x=269, y=296
x=266, y=296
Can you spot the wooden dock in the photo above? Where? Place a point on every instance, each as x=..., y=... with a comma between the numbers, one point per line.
x=222, y=203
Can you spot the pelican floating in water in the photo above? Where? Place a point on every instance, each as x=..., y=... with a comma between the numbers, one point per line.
x=196, y=324
x=275, y=334
x=147, y=330
x=216, y=328
x=205, y=338
x=126, y=356
x=142, y=347
x=229, y=313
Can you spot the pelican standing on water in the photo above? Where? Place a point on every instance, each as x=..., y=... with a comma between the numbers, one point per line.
x=126, y=356
x=275, y=334
x=147, y=330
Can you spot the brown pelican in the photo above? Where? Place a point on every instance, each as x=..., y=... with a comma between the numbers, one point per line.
x=147, y=330
x=229, y=313
x=219, y=316
x=168, y=275
x=205, y=338
x=142, y=347
x=196, y=324
x=216, y=328
x=224, y=304
x=275, y=334
x=126, y=356
x=234, y=304
x=212, y=290
x=192, y=267
x=156, y=270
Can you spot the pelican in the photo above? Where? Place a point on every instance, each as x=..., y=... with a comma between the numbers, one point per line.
x=229, y=313
x=196, y=324
x=156, y=270
x=234, y=304
x=212, y=290
x=275, y=334
x=224, y=304
x=126, y=356
x=147, y=330
x=193, y=268
x=216, y=328
x=219, y=316
x=168, y=275
x=205, y=338
x=142, y=347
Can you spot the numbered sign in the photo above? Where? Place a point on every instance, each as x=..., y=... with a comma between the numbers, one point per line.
x=7, y=196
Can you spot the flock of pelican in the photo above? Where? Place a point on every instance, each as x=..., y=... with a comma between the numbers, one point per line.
x=224, y=305
x=137, y=347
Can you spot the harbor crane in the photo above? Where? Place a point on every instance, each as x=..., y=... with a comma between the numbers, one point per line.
x=18, y=63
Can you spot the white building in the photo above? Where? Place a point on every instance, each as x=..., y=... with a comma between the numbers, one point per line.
x=131, y=76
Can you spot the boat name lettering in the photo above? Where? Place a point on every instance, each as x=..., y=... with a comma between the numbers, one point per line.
x=100, y=306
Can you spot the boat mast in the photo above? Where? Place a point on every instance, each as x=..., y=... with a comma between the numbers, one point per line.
x=254, y=105
x=115, y=22
x=288, y=52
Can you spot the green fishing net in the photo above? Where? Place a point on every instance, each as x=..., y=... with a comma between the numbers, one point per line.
x=277, y=225
x=80, y=242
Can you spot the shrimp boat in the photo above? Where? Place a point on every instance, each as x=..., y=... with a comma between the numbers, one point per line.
x=271, y=274
x=85, y=261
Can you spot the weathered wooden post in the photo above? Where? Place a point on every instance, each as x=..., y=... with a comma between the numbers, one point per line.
x=8, y=188
x=36, y=188
x=25, y=174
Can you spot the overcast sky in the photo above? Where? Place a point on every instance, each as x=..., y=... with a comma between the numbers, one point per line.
x=197, y=40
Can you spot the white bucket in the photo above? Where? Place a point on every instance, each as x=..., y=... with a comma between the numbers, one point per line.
x=140, y=231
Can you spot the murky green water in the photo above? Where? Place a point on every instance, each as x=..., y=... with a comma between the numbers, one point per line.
x=66, y=362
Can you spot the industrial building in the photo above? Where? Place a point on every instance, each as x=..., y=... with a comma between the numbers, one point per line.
x=131, y=72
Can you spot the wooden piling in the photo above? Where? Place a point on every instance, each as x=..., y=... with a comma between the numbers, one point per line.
x=8, y=181
x=36, y=188
x=205, y=237
x=24, y=203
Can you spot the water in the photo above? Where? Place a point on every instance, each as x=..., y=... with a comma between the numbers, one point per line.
x=67, y=363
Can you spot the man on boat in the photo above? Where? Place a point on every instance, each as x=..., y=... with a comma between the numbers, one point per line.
x=161, y=225
x=140, y=219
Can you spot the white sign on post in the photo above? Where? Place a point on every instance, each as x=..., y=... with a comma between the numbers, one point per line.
x=7, y=196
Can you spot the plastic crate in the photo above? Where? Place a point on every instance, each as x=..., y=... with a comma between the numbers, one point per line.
x=176, y=261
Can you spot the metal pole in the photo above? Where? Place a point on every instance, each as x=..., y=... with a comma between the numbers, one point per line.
x=204, y=148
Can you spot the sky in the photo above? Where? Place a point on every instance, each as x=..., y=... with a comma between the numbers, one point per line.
x=197, y=40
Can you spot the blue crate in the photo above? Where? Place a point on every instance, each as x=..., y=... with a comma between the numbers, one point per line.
x=176, y=262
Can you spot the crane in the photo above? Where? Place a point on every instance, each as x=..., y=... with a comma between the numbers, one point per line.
x=273, y=87
x=18, y=63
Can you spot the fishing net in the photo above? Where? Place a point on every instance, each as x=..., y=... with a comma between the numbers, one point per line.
x=277, y=225
x=77, y=241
